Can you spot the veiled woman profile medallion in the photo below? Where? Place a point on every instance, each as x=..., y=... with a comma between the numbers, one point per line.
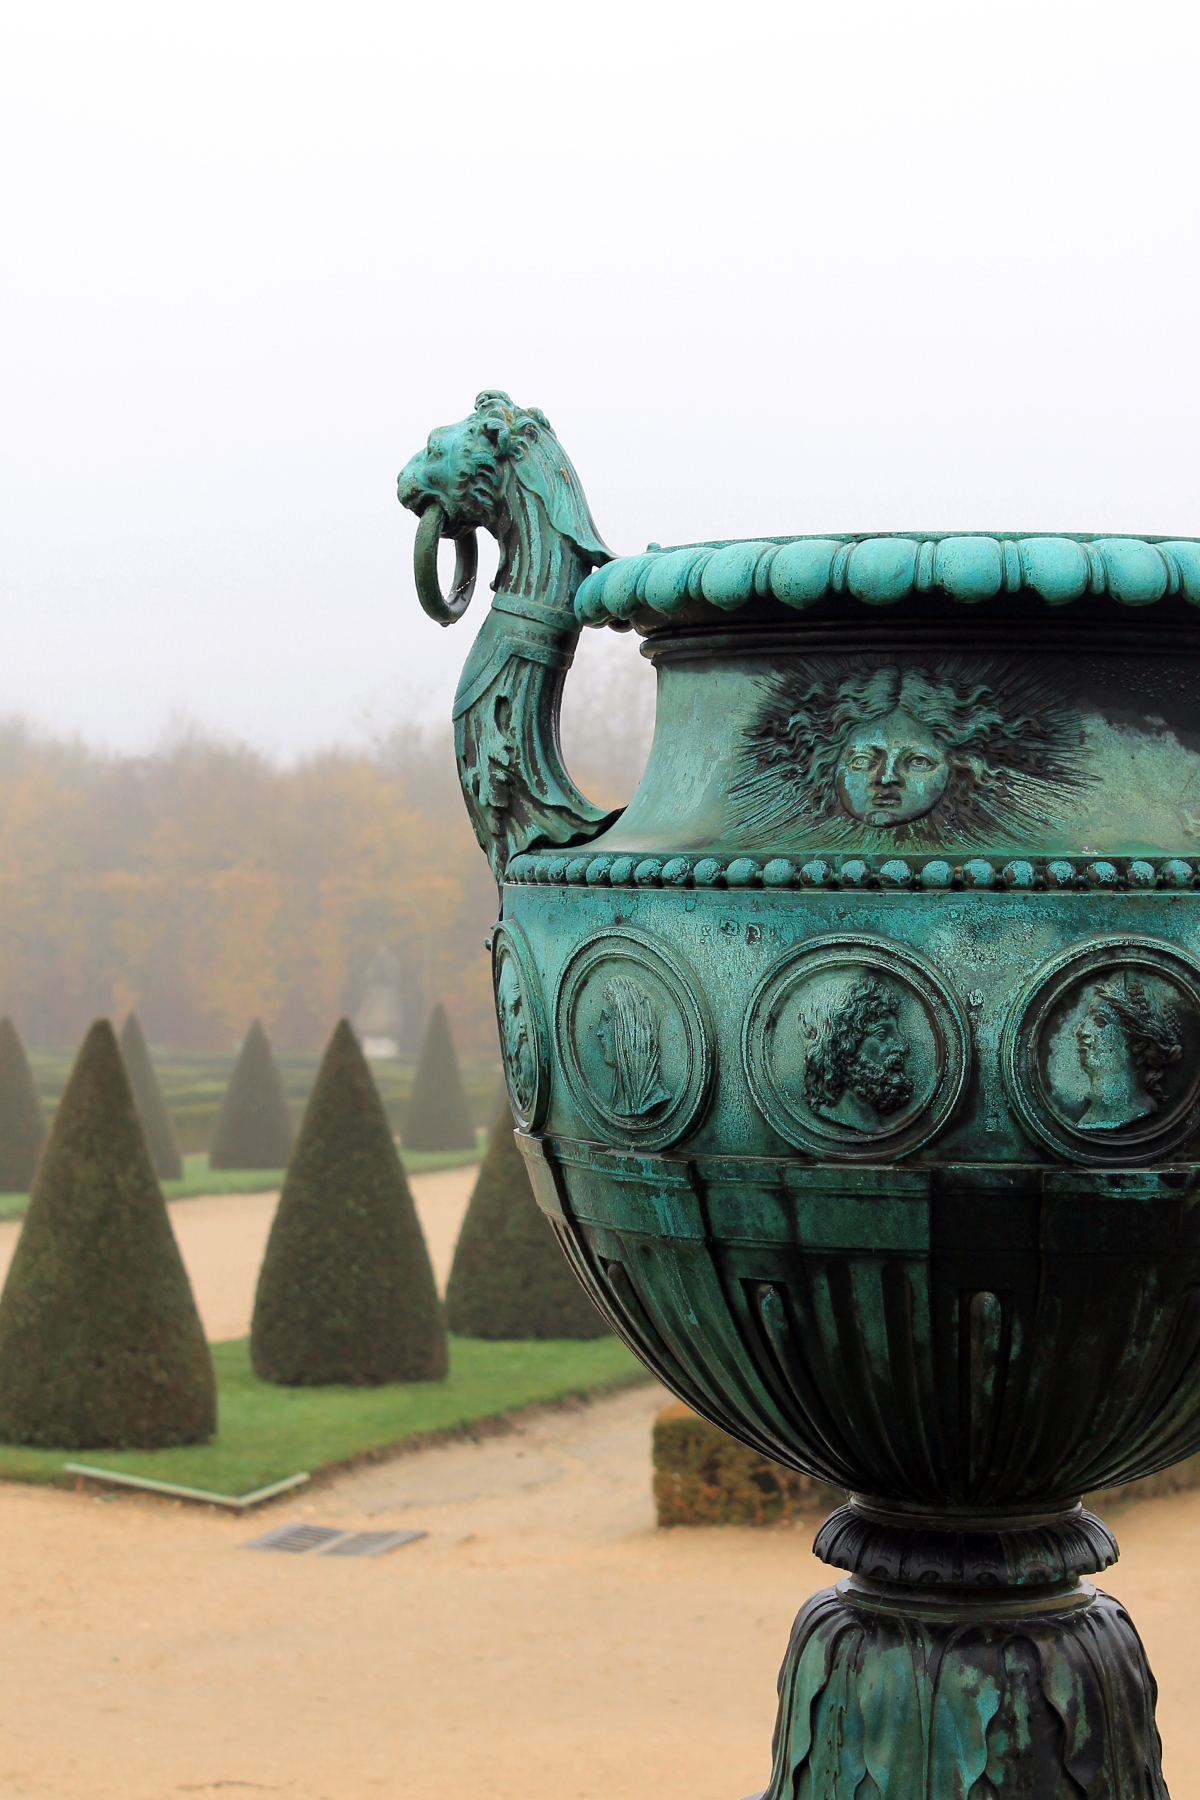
x=1101, y=1051
x=635, y=1039
x=855, y=1048
x=521, y=1018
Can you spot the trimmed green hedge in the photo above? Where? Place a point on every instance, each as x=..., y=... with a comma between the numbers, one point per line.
x=346, y=1290
x=437, y=1116
x=194, y=1081
x=152, y=1108
x=254, y=1126
x=702, y=1476
x=100, y=1340
x=22, y=1121
x=510, y=1278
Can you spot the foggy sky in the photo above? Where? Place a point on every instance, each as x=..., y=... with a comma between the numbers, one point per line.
x=768, y=268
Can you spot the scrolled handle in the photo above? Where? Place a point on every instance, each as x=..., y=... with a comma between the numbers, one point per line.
x=430, y=532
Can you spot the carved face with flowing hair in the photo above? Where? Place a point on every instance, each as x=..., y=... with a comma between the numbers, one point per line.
x=628, y=1035
x=978, y=747
x=854, y=1056
x=1129, y=1037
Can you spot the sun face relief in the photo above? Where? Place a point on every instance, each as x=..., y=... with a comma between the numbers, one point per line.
x=892, y=771
x=966, y=746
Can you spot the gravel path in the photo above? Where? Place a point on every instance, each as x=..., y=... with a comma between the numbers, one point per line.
x=222, y=1238
x=544, y=1642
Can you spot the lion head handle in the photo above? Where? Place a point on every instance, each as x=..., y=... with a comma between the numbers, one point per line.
x=503, y=468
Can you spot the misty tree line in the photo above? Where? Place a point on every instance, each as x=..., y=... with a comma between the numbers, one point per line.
x=203, y=885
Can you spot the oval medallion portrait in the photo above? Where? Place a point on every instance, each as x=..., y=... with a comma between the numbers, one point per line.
x=855, y=1049
x=634, y=1039
x=521, y=1017
x=1101, y=1051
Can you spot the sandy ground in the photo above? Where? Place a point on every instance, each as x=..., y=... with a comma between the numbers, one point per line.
x=544, y=1642
x=222, y=1240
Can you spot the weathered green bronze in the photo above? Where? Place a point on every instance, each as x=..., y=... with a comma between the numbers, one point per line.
x=857, y=1064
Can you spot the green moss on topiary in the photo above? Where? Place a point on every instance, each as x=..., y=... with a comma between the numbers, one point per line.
x=254, y=1126
x=151, y=1107
x=346, y=1292
x=510, y=1278
x=100, y=1341
x=437, y=1116
x=22, y=1121
x=702, y=1476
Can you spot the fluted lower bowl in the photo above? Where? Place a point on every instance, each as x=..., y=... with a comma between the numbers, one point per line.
x=1006, y=1336
x=858, y=1063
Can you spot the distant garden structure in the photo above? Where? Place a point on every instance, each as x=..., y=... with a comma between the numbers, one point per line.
x=379, y=1020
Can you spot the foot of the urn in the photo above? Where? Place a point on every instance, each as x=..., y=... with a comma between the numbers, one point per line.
x=919, y=1693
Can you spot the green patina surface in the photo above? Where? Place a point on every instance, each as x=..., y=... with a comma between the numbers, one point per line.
x=857, y=1064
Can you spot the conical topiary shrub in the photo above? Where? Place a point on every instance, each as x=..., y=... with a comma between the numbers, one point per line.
x=510, y=1278
x=254, y=1126
x=22, y=1122
x=437, y=1116
x=346, y=1291
x=151, y=1107
x=100, y=1342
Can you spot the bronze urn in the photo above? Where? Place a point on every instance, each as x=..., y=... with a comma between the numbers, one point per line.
x=857, y=1066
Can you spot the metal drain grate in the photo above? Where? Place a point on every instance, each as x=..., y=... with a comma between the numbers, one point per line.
x=294, y=1538
x=372, y=1543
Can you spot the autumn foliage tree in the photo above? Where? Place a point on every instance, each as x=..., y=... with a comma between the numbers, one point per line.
x=202, y=886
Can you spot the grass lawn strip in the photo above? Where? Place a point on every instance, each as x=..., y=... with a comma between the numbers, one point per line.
x=265, y=1433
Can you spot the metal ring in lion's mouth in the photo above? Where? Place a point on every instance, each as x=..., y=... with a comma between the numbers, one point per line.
x=466, y=563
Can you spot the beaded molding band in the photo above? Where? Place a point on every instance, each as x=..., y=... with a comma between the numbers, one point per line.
x=1118, y=874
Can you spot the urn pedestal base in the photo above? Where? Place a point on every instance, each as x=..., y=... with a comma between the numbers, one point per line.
x=903, y=1689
